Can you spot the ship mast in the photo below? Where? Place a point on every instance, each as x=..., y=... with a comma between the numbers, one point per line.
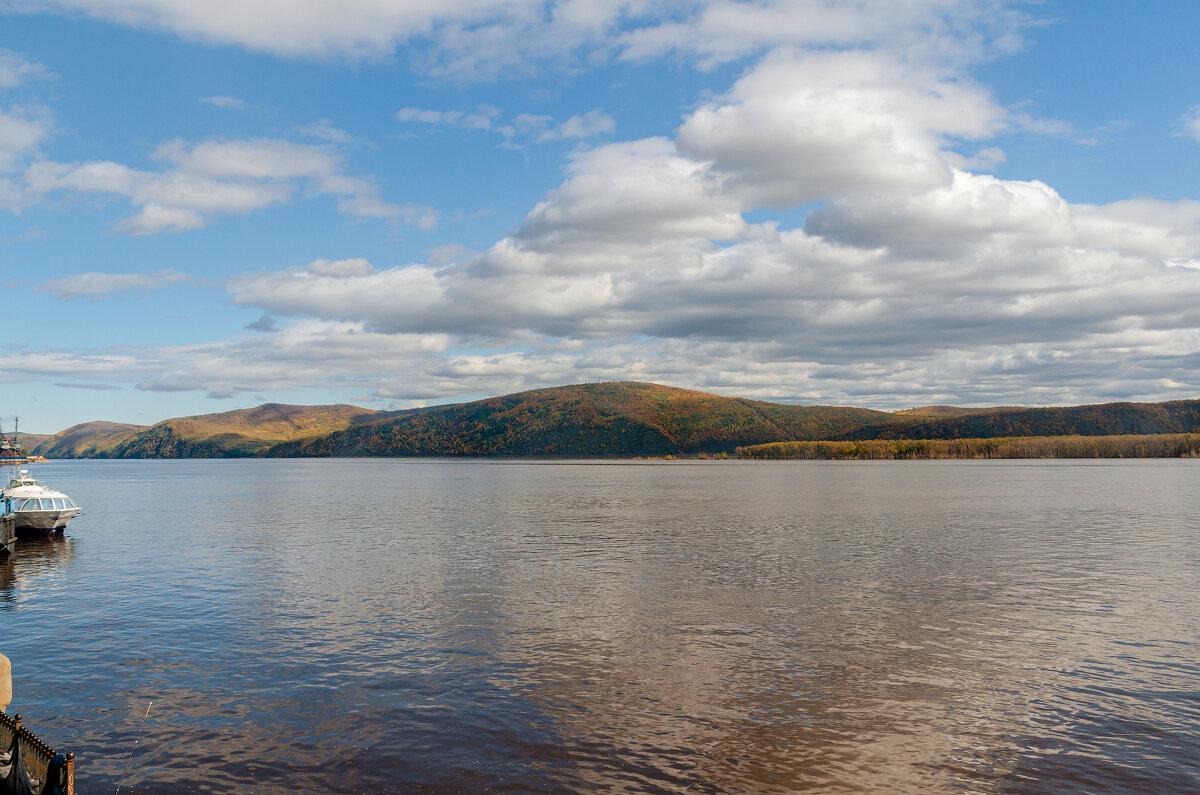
x=10, y=449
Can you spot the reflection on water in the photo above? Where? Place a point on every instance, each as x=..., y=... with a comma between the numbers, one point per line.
x=350, y=626
x=39, y=558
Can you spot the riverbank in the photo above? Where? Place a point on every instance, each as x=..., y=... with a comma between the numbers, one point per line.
x=1175, y=445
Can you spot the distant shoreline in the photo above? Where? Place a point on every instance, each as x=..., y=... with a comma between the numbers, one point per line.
x=1173, y=445
x=1176, y=445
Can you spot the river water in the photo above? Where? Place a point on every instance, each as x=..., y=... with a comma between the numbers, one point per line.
x=510, y=626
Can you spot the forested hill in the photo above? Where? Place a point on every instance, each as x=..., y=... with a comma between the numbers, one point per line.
x=85, y=440
x=620, y=419
x=1106, y=419
x=243, y=432
x=609, y=419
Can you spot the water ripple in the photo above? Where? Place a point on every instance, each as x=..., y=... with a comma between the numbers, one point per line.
x=462, y=626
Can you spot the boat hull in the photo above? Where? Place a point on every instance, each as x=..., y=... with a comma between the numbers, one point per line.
x=43, y=523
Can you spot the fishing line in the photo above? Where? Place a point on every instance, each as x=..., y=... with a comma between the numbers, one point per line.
x=131, y=750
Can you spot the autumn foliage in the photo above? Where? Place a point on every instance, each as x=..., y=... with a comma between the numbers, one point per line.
x=1175, y=445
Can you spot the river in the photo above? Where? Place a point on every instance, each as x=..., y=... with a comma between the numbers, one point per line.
x=620, y=626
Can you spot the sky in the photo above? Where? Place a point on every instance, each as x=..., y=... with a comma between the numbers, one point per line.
x=399, y=203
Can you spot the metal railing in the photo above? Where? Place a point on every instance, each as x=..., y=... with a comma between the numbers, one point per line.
x=30, y=767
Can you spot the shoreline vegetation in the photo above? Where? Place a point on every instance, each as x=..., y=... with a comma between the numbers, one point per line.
x=1173, y=445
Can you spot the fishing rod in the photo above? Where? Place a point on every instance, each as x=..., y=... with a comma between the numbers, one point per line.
x=131, y=750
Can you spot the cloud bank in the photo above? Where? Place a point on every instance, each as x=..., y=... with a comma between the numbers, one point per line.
x=912, y=279
x=826, y=229
x=480, y=39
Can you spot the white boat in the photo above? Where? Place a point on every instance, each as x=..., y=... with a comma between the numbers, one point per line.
x=37, y=510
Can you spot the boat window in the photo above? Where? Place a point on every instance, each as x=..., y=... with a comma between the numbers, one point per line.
x=25, y=505
x=70, y=503
x=47, y=504
x=58, y=504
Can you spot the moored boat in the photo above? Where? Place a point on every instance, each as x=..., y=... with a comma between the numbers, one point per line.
x=36, y=509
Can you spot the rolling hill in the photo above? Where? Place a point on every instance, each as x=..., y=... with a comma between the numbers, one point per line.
x=28, y=441
x=609, y=419
x=1105, y=419
x=239, y=433
x=619, y=418
x=629, y=418
x=86, y=440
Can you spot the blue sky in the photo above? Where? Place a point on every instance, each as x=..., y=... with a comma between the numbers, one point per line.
x=209, y=206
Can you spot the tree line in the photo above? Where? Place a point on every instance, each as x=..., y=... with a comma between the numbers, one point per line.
x=1174, y=445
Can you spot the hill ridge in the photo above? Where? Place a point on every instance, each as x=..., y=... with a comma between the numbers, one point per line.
x=234, y=433
x=613, y=418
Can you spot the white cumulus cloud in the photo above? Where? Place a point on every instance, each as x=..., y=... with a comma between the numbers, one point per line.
x=910, y=278
x=835, y=124
x=202, y=181
x=98, y=285
x=914, y=280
